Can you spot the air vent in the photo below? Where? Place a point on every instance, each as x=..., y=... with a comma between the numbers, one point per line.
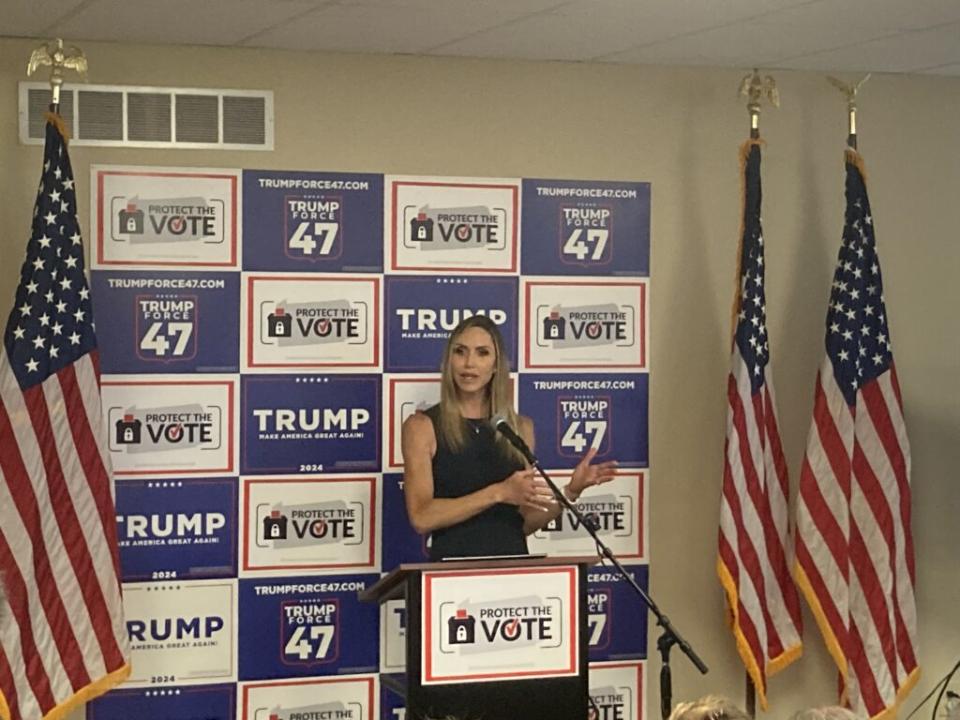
x=159, y=117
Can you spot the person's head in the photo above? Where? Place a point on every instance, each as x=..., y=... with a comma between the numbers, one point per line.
x=711, y=707
x=827, y=712
x=474, y=363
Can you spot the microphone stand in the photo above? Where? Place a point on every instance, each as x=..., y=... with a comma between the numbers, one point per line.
x=669, y=637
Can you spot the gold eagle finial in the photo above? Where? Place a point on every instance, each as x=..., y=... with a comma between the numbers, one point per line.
x=59, y=59
x=755, y=88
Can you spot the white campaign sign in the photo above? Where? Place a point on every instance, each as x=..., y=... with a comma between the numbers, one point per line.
x=157, y=217
x=162, y=426
x=452, y=223
x=317, y=524
x=311, y=321
x=489, y=625
x=587, y=325
x=181, y=633
x=617, y=510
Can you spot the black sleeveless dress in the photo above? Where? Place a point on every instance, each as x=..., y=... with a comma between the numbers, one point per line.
x=498, y=530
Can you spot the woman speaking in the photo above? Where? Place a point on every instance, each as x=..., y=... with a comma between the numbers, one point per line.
x=465, y=485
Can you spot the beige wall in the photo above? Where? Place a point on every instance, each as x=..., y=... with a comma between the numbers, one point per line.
x=678, y=129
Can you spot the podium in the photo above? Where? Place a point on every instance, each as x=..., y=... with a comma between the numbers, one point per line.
x=497, y=638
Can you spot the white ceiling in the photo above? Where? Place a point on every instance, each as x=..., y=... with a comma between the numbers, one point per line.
x=901, y=36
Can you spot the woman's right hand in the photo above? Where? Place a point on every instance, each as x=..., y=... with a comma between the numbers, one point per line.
x=524, y=488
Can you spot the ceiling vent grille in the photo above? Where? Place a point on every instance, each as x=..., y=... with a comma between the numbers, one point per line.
x=156, y=117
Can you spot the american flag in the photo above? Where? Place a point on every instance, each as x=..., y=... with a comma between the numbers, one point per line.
x=854, y=546
x=763, y=604
x=62, y=636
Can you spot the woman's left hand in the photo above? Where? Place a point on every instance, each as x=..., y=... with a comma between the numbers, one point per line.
x=586, y=475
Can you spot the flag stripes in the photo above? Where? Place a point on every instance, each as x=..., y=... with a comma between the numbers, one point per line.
x=854, y=548
x=754, y=521
x=62, y=634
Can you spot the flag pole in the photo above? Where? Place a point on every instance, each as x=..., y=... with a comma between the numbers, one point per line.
x=59, y=59
x=756, y=88
x=850, y=93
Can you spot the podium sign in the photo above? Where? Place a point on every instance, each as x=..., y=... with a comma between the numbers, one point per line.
x=506, y=624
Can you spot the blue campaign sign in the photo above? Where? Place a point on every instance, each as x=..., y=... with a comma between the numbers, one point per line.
x=167, y=322
x=421, y=312
x=401, y=544
x=575, y=412
x=210, y=702
x=616, y=616
x=585, y=227
x=305, y=626
x=310, y=424
x=392, y=705
x=177, y=528
x=312, y=221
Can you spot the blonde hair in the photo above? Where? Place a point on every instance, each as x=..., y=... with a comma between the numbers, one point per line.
x=453, y=428
x=711, y=707
x=827, y=712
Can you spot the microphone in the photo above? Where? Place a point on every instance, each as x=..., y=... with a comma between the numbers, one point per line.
x=499, y=423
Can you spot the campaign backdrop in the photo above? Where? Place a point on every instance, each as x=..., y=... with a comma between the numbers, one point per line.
x=263, y=337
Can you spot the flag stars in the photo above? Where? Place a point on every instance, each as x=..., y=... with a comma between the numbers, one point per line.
x=18, y=333
x=84, y=293
x=844, y=355
x=31, y=287
x=50, y=218
x=834, y=327
x=65, y=283
x=48, y=296
x=57, y=328
x=71, y=262
x=58, y=173
x=32, y=365
x=38, y=342
x=38, y=264
x=44, y=242
x=68, y=184
x=55, y=195
x=75, y=238
x=54, y=351
x=875, y=269
x=74, y=339
x=25, y=309
x=45, y=320
x=78, y=315
x=61, y=307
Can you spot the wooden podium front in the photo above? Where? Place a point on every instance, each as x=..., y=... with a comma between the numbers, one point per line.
x=493, y=639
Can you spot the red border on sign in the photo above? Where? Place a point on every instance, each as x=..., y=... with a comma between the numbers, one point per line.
x=515, y=191
x=150, y=263
x=374, y=315
x=229, y=469
x=393, y=462
x=311, y=681
x=642, y=317
x=308, y=566
x=427, y=624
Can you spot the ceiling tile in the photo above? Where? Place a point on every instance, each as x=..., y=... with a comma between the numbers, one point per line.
x=907, y=52
x=548, y=37
x=387, y=27
x=952, y=69
x=30, y=18
x=183, y=22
